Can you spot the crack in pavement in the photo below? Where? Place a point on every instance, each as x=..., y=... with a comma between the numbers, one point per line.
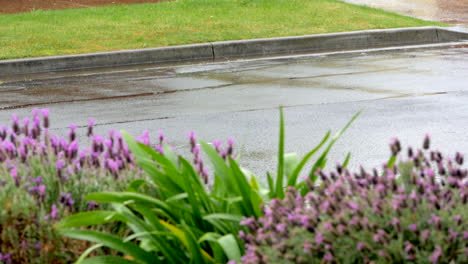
x=75, y=100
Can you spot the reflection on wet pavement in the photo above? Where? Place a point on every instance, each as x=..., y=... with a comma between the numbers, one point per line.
x=447, y=11
x=249, y=85
x=422, y=89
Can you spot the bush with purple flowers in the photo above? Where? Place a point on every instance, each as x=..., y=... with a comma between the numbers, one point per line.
x=413, y=211
x=44, y=177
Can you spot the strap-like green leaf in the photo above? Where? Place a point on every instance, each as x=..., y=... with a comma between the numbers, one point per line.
x=108, y=260
x=321, y=161
x=229, y=217
x=113, y=242
x=293, y=178
x=89, y=218
x=279, y=191
x=123, y=197
x=230, y=246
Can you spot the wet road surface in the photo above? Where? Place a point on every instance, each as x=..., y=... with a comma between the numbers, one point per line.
x=447, y=11
x=403, y=93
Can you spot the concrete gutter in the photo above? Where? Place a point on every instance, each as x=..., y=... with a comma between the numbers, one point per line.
x=236, y=49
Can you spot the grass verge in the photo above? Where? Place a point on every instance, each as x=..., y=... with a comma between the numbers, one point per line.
x=75, y=31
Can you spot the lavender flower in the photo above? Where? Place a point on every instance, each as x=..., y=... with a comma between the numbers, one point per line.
x=406, y=211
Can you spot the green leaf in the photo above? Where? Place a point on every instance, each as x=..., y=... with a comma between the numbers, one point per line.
x=177, y=197
x=346, y=162
x=89, y=218
x=242, y=188
x=229, y=217
x=133, y=145
x=291, y=160
x=135, y=185
x=391, y=161
x=107, y=260
x=321, y=161
x=271, y=186
x=125, y=197
x=230, y=247
x=138, y=225
x=194, y=247
x=87, y=252
x=293, y=178
x=221, y=170
x=210, y=236
x=279, y=192
x=113, y=242
x=193, y=191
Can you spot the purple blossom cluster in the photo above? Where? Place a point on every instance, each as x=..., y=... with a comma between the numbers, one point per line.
x=44, y=177
x=195, y=149
x=412, y=212
x=28, y=138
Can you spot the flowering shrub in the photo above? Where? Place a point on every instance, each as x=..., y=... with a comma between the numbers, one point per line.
x=415, y=212
x=193, y=214
x=145, y=201
x=44, y=177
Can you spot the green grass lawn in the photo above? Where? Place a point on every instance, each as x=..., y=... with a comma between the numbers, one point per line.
x=74, y=31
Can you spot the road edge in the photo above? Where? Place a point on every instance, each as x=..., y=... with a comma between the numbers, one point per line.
x=225, y=50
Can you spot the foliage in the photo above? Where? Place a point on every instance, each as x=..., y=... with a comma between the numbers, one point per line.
x=415, y=211
x=188, y=216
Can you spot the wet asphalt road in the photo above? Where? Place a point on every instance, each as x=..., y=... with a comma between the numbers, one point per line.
x=448, y=11
x=403, y=93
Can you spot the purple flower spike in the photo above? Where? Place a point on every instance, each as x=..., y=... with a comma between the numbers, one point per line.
x=435, y=256
x=328, y=257
x=45, y=112
x=60, y=164
x=42, y=189
x=161, y=137
x=35, y=112
x=413, y=227
x=318, y=238
x=45, y=115
x=427, y=141
x=54, y=212
x=360, y=246
x=193, y=140
x=217, y=145
x=230, y=147
x=14, y=118
x=160, y=149
x=90, y=127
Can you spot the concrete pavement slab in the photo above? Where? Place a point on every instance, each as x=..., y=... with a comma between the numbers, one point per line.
x=403, y=93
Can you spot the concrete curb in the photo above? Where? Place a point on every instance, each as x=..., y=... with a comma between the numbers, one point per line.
x=236, y=49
